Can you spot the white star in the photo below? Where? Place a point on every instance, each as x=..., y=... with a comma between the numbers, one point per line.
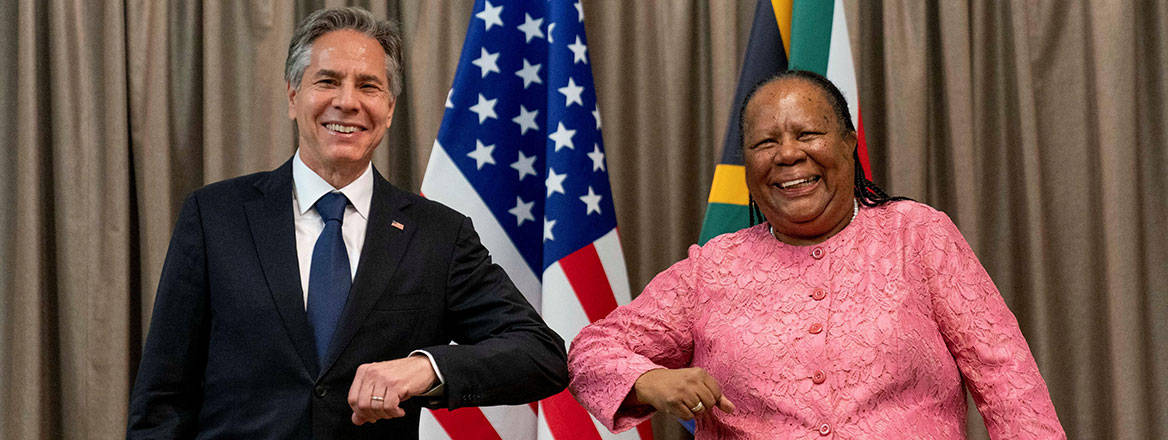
x=579, y=51
x=597, y=157
x=525, y=165
x=531, y=28
x=547, y=229
x=550, y=27
x=485, y=108
x=490, y=15
x=487, y=62
x=592, y=200
x=596, y=115
x=563, y=137
x=526, y=120
x=522, y=211
x=554, y=182
x=529, y=73
x=482, y=154
x=449, y=103
x=580, y=11
x=571, y=93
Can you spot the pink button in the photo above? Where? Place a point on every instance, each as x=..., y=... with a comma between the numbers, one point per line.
x=818, y=295
x=817, y=253
x=818, y=377
x=824, y=429
x=815, y=328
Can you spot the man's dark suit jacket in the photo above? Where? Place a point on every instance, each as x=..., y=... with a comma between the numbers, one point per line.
x=230, y=353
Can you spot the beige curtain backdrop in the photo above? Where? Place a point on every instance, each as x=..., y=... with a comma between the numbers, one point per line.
x=1038, y=126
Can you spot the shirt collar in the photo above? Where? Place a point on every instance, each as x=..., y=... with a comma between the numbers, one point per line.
x=308, y=187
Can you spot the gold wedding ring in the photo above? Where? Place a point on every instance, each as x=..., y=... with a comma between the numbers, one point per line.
x=697, y=408
x=378, y=398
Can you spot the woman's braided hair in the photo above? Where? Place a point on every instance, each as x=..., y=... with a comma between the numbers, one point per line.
x=866, y=191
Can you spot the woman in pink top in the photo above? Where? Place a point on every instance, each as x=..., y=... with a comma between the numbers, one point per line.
x=847, y=314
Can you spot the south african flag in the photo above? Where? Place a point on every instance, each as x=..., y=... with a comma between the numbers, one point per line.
x=806, y=35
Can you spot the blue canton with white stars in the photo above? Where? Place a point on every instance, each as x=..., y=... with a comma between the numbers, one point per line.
x=522, y=126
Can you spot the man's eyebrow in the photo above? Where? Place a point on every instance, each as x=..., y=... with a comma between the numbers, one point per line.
x=369, y=78
x=328, y=73
x=364, y=77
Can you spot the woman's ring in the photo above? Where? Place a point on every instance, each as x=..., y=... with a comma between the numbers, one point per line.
x=697, y=408
x=377, y=398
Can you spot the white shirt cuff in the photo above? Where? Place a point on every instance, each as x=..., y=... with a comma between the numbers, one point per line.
x=437, y=389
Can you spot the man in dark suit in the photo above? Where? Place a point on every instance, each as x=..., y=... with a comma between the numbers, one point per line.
x=314, y=300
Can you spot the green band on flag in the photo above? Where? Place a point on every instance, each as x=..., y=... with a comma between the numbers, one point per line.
x=722, y=218
x=811, y=35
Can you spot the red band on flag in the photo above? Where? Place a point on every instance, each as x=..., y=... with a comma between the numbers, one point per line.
x=465, y=424
x=586, y=275
x=567, y=419
x=862, y=145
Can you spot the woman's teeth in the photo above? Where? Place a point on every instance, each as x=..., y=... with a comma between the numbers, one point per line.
x=799, y=182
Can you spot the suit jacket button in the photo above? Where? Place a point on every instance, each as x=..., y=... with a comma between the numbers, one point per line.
x=320, y=391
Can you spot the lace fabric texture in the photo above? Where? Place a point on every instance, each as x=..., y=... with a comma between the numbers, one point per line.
x=866, y=335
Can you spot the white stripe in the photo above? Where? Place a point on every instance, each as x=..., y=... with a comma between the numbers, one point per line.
x=841, y=68
x=561, y=309
x=613, y=260
x=443, y=182
x=543, y=432
x=429, y=429
x=630, y=434
x=511, y=422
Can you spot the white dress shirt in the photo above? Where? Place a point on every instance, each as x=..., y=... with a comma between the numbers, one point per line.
x=307, y=188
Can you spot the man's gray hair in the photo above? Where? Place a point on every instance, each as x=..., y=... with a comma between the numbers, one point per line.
x=323, y=21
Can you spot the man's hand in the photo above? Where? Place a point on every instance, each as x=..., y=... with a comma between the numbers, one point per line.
x=379, y=387
x=679, y=392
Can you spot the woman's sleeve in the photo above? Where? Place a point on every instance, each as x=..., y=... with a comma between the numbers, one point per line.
x=653, y=331
x=983, y=337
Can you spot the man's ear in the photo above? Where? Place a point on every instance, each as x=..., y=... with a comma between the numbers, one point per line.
x=291, y=100
x=392, y=107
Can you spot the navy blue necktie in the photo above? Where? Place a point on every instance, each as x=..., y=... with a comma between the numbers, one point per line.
x=328, y=278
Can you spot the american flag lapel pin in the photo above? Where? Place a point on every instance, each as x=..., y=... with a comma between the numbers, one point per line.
x=398, y=225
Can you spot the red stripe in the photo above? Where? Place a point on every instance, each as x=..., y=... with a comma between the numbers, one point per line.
x=587, y=277
x=567, y=419
x=862, y=144
x=465, y=424
x=645, y=430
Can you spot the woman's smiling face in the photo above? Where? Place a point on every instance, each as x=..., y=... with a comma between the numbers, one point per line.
x=799, y=164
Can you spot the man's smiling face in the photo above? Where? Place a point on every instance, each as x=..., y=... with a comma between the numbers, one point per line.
x=343, y=104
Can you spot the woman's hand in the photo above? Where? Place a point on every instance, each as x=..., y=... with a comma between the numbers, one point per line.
x=683, y=393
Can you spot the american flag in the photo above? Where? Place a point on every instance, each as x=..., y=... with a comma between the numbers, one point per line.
x=520, y=152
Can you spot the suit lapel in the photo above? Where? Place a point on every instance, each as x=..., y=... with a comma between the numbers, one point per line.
x=272, y=227
x=386, y=235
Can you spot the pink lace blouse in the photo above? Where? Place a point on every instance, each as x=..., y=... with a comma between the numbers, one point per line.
x=867, y=335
